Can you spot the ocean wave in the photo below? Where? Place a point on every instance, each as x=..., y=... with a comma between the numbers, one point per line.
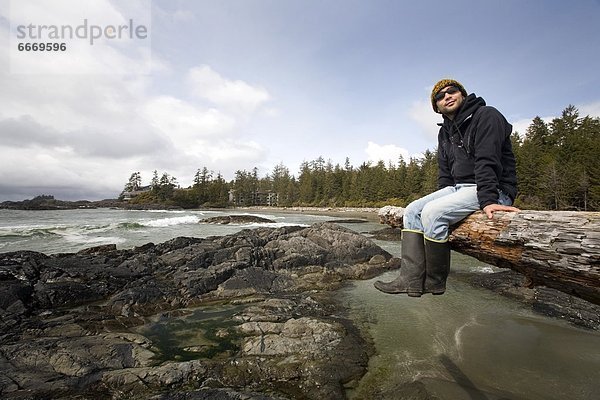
x=10, y=243
x=163, y=222
x=81, y=234
x=89, y=229
x=130, y=225
x=30, y=231
x=76, y=236
x=41, y=231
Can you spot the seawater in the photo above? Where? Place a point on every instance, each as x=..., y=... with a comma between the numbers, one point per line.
x=59, y=231
x=468, y=344
x=471, y=343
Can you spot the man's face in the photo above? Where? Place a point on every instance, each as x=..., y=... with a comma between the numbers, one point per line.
x=450, y=102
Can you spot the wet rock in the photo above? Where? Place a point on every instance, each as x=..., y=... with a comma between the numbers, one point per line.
x=138, y=380
x=303, y=335
x=544, y=300
x=236, y=219
x=299, y=341
x=349, y=221
x=99, y=249
x=388, y=234
x=557, y=304
x=79, y=325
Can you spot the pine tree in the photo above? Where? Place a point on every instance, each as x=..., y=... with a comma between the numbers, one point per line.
x=134, y=183
x=306, y=192
x=430, y=172
x=281, y=178
x=155, y=182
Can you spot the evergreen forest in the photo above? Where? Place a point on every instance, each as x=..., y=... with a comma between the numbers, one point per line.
x=558, y=168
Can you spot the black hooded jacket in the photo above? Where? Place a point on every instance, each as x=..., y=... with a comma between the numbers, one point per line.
x=475, y=147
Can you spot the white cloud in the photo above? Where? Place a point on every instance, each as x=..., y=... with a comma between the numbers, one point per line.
x=185, y=122
x=101, y=120
x=422, y=113
x=231, y=150
x=79, y=24
x=235, y=95
x=82, y=135
x=61, y=172
x=591, y=109
x=387, y=153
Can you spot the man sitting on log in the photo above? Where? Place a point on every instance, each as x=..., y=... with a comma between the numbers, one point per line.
x=476, y=171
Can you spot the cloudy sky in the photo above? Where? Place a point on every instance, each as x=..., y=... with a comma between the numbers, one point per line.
x=233, y=85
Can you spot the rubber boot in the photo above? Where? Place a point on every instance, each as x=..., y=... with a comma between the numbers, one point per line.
x=437, y=266
x=412, y=267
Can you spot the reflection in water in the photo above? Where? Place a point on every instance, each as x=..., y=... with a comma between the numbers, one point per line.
x=470, y=344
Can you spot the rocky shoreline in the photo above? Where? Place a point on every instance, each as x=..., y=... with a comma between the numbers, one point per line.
x=44, y=202
x=244, y=316
x=137, y=323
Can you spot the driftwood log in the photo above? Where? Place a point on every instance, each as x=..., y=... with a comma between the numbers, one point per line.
x=557, y=249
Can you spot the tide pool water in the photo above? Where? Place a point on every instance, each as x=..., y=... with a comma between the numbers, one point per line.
x=471, y=343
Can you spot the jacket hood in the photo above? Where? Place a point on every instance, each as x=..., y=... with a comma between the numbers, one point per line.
x=468, y=107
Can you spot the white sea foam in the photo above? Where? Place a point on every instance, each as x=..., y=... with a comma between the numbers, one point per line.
x=105, y=240
x=458, y=340
x=98, y=228
x=76, y=236
x=28, y=226
x=12, y=243
x=158, y=223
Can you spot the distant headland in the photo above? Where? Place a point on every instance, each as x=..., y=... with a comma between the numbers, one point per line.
x=48, y=202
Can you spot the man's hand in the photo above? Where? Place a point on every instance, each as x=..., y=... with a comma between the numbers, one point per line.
x=490, y=209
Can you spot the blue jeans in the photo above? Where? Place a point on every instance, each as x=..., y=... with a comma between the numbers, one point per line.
x=433, y=214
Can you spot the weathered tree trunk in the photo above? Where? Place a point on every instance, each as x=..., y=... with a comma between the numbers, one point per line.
x=558, y=249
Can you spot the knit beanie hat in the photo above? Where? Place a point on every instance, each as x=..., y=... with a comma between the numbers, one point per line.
x=442, y=84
